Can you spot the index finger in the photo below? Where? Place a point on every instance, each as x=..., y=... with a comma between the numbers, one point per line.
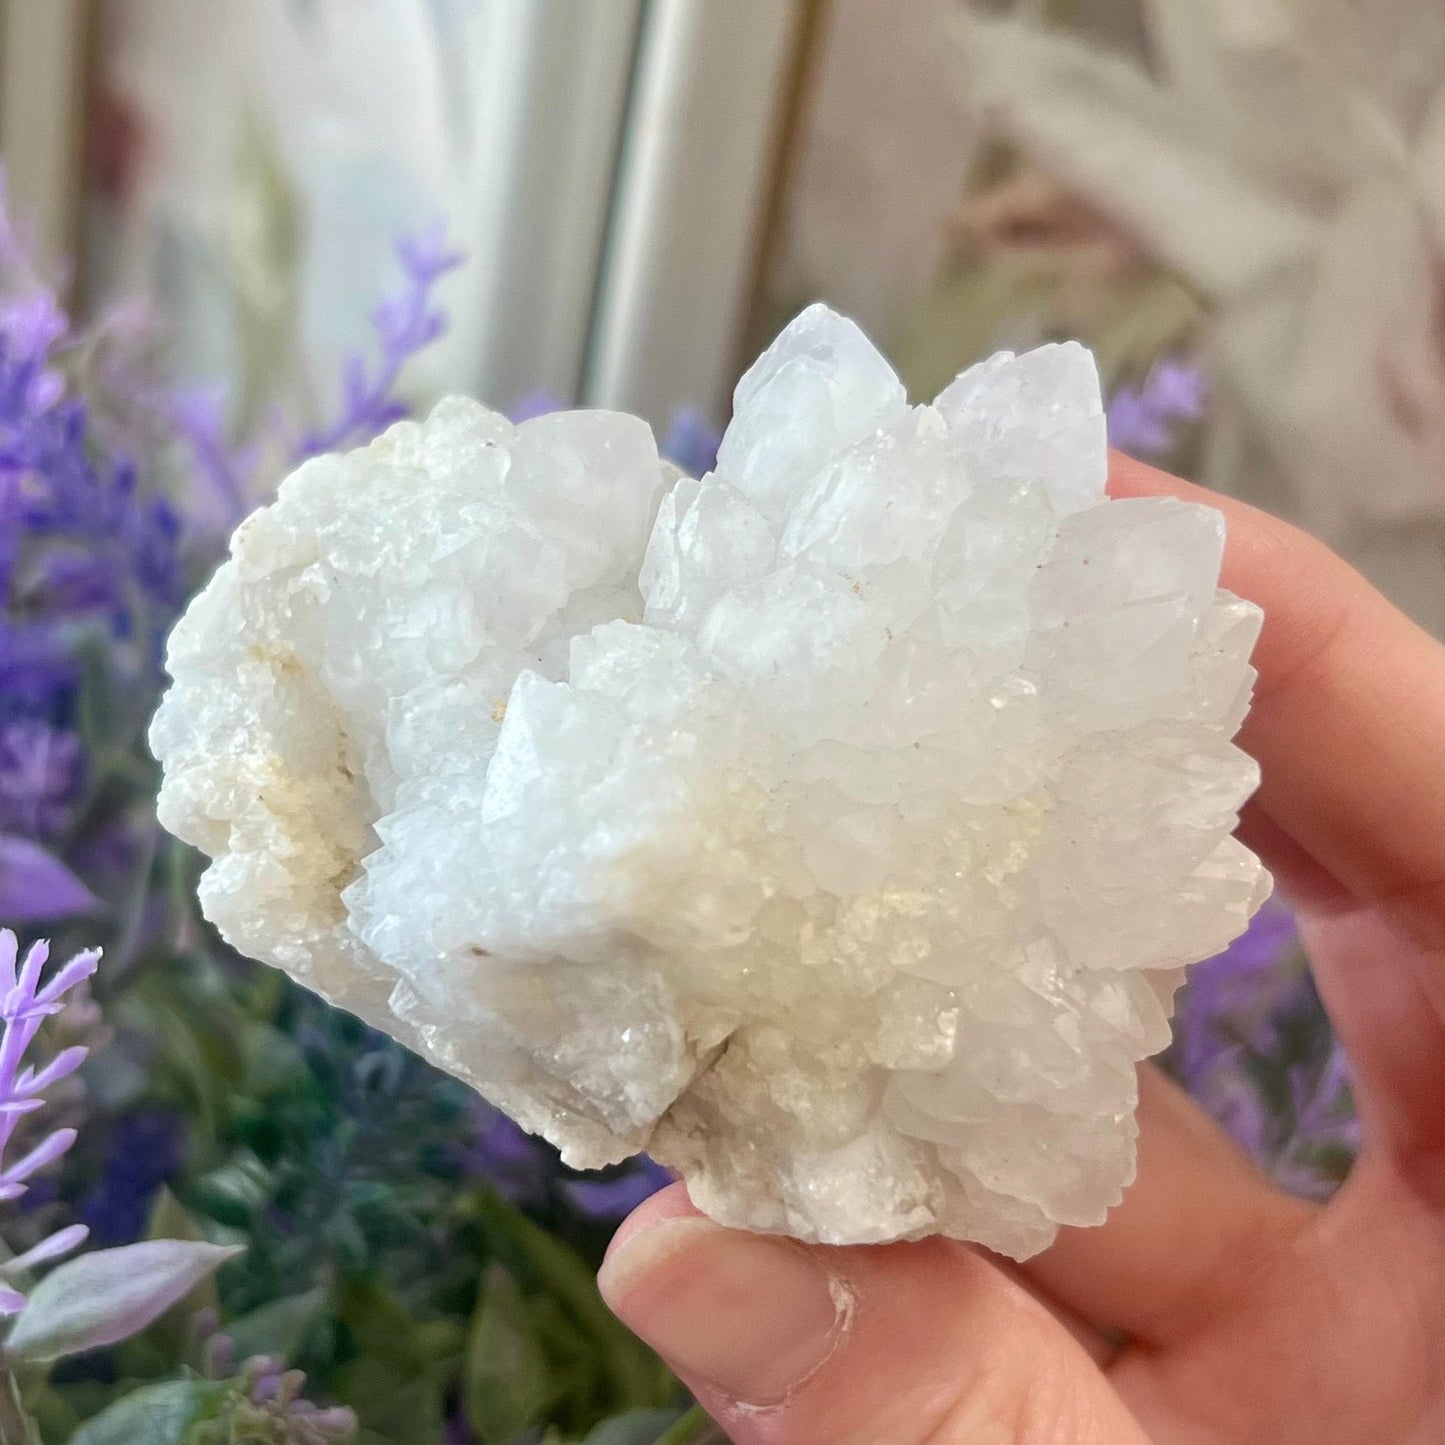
x=1347, y=723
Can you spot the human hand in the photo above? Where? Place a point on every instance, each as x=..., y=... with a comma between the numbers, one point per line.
x=1210, y=1309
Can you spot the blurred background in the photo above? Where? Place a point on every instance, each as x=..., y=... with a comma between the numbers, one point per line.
x=245, y=231
x=1250, y=192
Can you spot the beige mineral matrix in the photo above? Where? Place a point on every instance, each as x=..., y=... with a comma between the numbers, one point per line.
x=834, y=827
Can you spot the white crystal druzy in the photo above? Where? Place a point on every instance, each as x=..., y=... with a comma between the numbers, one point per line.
x=834, y=827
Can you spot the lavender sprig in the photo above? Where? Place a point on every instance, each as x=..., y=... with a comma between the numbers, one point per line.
x=81, y=547
x=86, y=555
x=226, y=470
x=691, y=442
x=266, y=1402
x=1145, y=421
x=24, y=1005
x=40, y=770
x=527, y=1173
x=1253, y=1045
x=272, y=1398
x=405, y=323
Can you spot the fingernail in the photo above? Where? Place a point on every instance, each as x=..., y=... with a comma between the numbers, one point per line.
x=749, y=1314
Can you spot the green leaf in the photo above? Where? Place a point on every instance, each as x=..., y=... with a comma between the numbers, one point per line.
x=405, y=1369
x=154, y=1415
x=635, y=1375
x=272, y=1062
x=233, y=1192
x=109, y=1295
x=639, y=1427
x=277, y=1328
x=169, y=1219
x=196, y=1053
x=381, y=1326
x=575, y=1361
x=506, y=1385
x=695, y=1428
x=399, y=1406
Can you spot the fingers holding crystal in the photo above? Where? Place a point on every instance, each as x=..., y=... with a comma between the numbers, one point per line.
x=906, y=1343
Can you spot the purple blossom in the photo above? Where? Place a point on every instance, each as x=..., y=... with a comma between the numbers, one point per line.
x=1253, y=1046
x=273, y=1393
x=36, y=666
x=618, y=1196
x=521, y=1168
x=83, y=548
x=230, y=471
x=405, y=324
x=526, y=1172
x=691, y=442
x=36, y=887
x=144, y=1149
x=267, y=1403
x=533, y=404
x=24, y=1005
x=1233, y=999
x=226, y=470
x=40, y=771
x=1145, y=421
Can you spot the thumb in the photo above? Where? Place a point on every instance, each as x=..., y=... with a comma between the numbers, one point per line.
x=788, y=1344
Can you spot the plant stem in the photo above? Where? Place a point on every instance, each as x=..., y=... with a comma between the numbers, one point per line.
x=16, y=1427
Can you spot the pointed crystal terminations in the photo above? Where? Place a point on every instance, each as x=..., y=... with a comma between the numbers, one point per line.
x=835, y=827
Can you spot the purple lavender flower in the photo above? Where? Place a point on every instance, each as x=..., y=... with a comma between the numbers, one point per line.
x=231, y=471
x=1145, y=421
x=144, y=1149
x=266, y=1402
x=226, y=470
x=36, y=666
x=40, y=771
x=1232, y=1000
x=618, y=1196
x=1254, y=1047
x=521, y=1168
x=691, y=442
x=36, y=887
x=405, y=324
x=270, y=1399
x=526, y=1171
x=24, y=1005
x=533, y=404
x=86, y=555
x=83, y=549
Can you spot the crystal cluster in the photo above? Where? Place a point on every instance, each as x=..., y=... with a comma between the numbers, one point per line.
x=835, y=827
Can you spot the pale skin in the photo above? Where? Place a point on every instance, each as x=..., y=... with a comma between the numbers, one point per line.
x=1210, y=1309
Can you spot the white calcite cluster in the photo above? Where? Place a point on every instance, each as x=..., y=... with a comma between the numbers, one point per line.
x=835, y=827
